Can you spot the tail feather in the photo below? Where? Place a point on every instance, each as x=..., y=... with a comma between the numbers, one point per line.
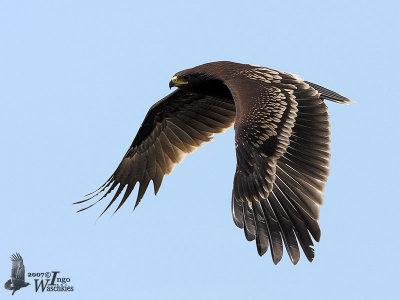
x=330, y=95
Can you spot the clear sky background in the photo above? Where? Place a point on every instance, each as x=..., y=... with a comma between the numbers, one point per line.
x=76, y=80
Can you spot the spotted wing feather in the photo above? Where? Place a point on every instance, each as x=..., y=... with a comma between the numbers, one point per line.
x=282, y=148
x=266, y=116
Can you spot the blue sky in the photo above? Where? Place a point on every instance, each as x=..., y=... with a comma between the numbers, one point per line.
x=77, y=79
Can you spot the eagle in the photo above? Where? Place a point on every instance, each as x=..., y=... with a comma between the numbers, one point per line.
x=281, y=140
x=17, y=280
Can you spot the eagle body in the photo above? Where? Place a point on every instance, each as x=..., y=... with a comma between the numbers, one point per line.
x=281, y=140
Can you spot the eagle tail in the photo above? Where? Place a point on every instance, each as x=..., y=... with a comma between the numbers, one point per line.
x=330, y=95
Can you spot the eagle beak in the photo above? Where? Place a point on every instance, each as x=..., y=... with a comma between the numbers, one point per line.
x=175, y=82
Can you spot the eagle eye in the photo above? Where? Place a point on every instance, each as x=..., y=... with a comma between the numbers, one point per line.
x=185, y=78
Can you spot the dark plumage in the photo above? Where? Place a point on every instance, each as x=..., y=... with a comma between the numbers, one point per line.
x=282, y=148
x=17, y=280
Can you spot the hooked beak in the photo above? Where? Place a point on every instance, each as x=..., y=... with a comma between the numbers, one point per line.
x=175, y=82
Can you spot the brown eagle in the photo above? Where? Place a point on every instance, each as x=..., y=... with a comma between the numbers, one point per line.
x=281, y=140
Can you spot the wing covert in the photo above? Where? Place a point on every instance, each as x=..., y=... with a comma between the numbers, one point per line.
x=282, y=136
x=266, y=112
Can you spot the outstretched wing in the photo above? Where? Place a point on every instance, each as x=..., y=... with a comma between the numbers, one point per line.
x=17, y=268
x=282, y=148
x=174, y=126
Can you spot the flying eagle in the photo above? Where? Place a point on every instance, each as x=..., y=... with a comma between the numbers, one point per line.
x=281, y=140
x=17, y=280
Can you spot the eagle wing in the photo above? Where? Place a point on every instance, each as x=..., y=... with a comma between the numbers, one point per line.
x=17, y=268
x=282, y=149
x=174, y=127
